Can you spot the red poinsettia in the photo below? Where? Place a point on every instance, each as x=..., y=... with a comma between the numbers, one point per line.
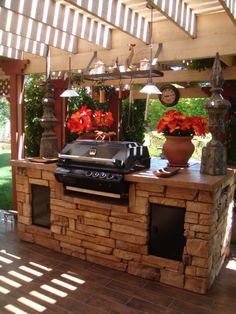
x=84, y=120
x=177, y=124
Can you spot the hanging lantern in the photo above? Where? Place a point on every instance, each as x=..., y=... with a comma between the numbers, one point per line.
x=102, y=96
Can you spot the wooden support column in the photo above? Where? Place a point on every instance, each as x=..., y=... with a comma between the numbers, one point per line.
x=115, y=106
x=15, y=70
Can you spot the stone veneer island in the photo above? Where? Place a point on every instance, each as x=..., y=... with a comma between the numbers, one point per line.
x=116, y=234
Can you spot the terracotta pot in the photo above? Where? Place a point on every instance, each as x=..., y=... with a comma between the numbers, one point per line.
x=178, y=150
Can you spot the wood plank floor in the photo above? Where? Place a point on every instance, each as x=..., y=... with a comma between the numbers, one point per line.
x=36, y=280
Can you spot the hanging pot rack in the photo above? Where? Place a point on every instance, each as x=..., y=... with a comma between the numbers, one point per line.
x=122, y=75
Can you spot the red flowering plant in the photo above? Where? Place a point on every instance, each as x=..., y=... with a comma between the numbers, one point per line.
x=174, y=123
x=84, y=120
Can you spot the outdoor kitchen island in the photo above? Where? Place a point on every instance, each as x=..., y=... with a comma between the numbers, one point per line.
x=137, y=235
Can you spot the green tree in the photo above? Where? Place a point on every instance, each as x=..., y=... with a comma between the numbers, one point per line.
x=188, y=106
x=4, y=114
x=34, y=92
x=133, y=127
x=5, y=110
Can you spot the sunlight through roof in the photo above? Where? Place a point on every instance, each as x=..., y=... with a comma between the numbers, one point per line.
x=73, y=278
x=9, y=39
x=26, y=48
x=90, y=5
x=45, y=11
x=100, y=6
x=55, y=39
x=19, y=24
x=55, y=291
x=29, y=28
x=40, y=266
x=105, y=36
x=21, y=6
x=187, y=19
x=182, y=14
x=10, y=282
x=75, y=22
x=42, y=297
x=14, y=309
x=145, y=30
x=5, y=260
x=64, y=284
x=65, y=20
x=4, y=290
x=56, y=14
x=37, y=307
x=63, y=41
x=39, y=31
x=118, y=9
x=71, y=43
x=132, y=23
x=84, y=22
x=91, y=30
x=9, y=19
x=231, y=265
x=126, y=18
x=109, y=10
x=170, y=7
x=20, y=276
x=33, y=8
x=31, y=271
x=98, y=33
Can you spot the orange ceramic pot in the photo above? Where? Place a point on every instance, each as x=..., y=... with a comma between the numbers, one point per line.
x=178, y=150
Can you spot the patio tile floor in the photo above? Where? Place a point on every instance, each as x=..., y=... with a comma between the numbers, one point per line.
x=34, y=279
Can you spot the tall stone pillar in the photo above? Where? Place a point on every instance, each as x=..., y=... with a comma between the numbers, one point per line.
x=48, y=144
x=214, y=158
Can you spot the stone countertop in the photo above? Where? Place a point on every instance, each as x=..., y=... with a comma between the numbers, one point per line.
x=26, y=163
x=190, y=177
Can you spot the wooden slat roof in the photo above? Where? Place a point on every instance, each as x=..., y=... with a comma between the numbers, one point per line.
x=28, y=26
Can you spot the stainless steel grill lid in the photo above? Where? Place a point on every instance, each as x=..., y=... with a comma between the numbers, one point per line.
x=100, y=165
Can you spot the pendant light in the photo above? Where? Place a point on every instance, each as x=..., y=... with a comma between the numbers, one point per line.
x=150, y=88
x=69, y=92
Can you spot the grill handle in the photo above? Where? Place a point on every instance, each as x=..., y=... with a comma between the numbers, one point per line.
x=104, y=161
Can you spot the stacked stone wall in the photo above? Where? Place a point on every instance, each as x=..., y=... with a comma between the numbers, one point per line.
x=116, y=235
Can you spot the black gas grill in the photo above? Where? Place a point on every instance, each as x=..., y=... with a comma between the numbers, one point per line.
x=98, y=167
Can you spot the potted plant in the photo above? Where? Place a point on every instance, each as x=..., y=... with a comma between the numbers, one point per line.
x=88, y=123
x=179, y=130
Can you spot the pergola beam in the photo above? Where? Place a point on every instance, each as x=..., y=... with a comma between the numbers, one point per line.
x=179, y=13
x=230, y=8
x=64, y=19
x=17, y=42
x=116, y=14
x=27, y=27
x=10, y=52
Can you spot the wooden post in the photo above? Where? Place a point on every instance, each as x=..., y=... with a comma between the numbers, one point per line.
x=15, y=70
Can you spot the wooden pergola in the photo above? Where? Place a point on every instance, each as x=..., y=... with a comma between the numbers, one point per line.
x=182, y=30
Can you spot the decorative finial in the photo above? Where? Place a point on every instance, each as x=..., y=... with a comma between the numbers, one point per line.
x=217, y=79
x=214, y=158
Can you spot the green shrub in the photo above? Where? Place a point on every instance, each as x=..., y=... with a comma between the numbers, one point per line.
x=188, y=106
x=34, y=92
x=133, y=127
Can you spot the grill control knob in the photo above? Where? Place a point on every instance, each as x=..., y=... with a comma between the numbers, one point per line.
x=102, y=175
x=95, y=174
x=110, y=176
x=89, y=173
